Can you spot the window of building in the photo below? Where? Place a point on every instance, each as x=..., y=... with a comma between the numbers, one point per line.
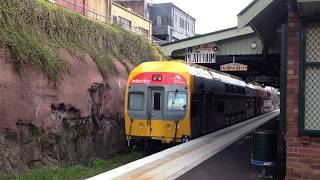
x=177, y=101
x=310, y=103
x=136, y=101
x=158, y=20
x=192, y=28
x=186, y=25
x=166, y=20
x=181, y=23
x=143, y=31
x=124, y=23
x=176, y=19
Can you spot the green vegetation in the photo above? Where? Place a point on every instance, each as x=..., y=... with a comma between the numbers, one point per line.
x=33, y=31
x=76, y=172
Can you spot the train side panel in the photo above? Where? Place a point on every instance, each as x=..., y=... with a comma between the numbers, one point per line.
x=216, y=105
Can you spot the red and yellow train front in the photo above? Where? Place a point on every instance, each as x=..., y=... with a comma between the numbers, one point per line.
x=158, y=102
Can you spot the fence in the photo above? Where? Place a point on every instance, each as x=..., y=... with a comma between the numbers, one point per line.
x=82, y=9
x=92, y=14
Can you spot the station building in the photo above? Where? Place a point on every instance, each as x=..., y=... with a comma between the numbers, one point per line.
x=298, y=21
x=241, y=45
x=283, y=37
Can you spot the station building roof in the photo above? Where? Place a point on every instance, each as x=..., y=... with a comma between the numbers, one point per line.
x=233, y=32
x=266, y=16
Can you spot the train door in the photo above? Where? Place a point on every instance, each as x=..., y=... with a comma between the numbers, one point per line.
x=155, y=102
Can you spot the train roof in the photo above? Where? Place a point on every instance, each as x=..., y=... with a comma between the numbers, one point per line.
x=199, y=71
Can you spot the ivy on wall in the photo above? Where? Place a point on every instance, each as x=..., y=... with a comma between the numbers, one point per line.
x=34, y=30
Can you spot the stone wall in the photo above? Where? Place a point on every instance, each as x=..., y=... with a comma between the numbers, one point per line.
x=43, y=126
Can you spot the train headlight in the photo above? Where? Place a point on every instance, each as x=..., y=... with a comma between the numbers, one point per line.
x=141, y=125
x=169, y=126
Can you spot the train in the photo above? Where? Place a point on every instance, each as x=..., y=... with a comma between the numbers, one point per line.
x=174, y=102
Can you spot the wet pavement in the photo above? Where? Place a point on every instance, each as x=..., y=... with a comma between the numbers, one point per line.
x=233, y=163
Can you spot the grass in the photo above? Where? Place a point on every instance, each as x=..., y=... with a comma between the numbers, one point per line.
x=78, y=171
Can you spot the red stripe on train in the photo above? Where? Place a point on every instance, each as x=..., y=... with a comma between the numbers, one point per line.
x=159, y=78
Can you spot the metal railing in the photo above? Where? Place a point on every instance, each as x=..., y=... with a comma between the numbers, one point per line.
x=90, y=13
x=158, y=41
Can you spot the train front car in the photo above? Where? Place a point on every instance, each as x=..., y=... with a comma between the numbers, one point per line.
x=158, y=102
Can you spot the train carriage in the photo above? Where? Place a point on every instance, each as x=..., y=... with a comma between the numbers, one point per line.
x=173, y=102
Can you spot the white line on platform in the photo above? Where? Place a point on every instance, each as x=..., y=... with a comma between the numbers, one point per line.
x=173, y=162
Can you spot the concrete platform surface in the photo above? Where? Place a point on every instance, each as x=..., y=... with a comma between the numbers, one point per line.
x=176, y=161
x=232, y=163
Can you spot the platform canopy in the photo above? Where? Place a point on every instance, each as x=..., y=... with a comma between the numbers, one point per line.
x=309, y=7
x=264, y=17
x=216, y=36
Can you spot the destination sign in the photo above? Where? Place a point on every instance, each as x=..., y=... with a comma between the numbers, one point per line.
x=234, y=67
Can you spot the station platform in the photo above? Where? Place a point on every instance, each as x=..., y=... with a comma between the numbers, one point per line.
x=176, y=162
x=229, y=164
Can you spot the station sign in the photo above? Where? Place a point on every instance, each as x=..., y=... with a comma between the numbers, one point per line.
x=205, y=53
x=234, y=67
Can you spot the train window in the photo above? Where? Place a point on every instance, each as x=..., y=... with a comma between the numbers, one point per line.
x=194, y=110
x=157, y=101
x=233, y=89
x=177, y=101
x=243, y=91
x=227, y=88
x=220, y=107
x=136, y=101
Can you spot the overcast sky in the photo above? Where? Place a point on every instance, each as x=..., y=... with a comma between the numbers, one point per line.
x=211, y=15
